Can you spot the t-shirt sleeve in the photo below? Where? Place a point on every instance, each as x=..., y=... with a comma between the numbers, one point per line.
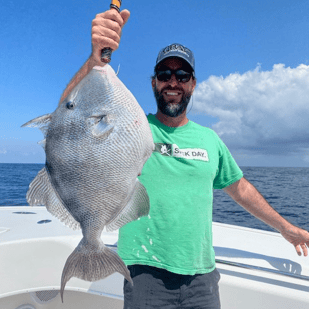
x=228, y=171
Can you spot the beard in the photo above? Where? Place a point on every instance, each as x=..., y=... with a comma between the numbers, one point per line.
x=171, y=109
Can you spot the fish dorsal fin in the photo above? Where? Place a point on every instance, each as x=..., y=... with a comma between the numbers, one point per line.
x=138, y=206
x=41, y=122
x=41, y=192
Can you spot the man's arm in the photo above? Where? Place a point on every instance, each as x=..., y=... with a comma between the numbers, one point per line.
x=246, y=195
x=106, y=32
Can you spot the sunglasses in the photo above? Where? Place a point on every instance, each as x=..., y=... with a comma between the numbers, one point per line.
x=181, y=75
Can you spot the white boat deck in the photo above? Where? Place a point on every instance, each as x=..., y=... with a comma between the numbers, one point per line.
x=258, y=269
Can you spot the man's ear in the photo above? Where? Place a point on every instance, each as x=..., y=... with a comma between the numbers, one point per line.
x=153, y=82
x=193, y=84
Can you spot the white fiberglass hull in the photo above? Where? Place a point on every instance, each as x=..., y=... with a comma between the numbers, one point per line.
x=258, y=269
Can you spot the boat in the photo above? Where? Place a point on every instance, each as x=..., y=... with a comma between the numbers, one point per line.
x=259, y=269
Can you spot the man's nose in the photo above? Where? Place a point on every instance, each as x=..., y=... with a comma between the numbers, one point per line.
x=173, y=81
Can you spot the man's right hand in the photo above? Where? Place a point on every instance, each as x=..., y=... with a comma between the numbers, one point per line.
x=106, y=31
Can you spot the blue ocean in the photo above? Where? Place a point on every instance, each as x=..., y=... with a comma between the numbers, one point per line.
x=285, y=188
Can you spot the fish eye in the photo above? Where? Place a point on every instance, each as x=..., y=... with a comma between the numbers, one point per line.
x=70, y=105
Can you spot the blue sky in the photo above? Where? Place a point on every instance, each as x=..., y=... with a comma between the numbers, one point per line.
x=251, y=65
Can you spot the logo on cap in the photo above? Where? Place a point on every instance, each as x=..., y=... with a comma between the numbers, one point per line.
x=176, y=50
x=176, y=47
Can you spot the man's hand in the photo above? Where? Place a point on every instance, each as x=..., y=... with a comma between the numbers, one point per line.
x=106, y=31
x=299, y=238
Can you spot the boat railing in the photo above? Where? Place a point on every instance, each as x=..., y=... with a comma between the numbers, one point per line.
x=265, y=269
x=248, y=266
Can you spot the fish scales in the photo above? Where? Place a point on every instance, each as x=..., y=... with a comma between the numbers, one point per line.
x=96, y=143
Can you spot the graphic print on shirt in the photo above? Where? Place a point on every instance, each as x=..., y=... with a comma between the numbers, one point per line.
x=172, y=150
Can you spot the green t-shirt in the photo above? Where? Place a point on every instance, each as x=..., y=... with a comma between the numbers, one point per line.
x=188, y=162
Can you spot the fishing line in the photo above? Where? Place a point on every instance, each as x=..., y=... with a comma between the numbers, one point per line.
x=118, y=70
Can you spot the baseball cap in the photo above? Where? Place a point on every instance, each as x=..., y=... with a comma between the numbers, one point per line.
x=176, y=50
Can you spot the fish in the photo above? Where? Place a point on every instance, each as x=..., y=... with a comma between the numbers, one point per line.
x=96, y=143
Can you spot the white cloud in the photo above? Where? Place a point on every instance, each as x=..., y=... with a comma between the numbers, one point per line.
x=259, y=110
x=18, y=151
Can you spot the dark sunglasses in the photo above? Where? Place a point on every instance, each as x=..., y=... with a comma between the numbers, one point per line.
x=181, y=75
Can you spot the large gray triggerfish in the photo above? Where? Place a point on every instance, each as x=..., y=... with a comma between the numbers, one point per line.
x=96, y=143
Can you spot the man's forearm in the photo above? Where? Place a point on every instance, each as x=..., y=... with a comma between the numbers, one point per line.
x=83, y=71
x=246, y=195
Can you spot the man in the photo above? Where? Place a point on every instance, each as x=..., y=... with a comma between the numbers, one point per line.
x=169, y=253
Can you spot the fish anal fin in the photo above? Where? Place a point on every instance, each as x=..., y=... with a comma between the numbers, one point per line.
x=92, y=264
x=137, y=206
x=41, y=192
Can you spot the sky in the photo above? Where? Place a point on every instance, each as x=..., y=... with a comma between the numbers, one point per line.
x=252, y=69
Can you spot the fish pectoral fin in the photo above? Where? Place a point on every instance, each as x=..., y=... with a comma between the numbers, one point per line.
x=102, y=129
x=42, y=122
x=91, y=263
x=137, y=206
x=41, y=192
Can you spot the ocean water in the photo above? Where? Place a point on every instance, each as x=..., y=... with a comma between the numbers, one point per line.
x=285, y=188
x=14, y=182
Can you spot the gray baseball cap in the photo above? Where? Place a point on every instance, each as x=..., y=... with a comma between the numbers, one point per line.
x=176, y=50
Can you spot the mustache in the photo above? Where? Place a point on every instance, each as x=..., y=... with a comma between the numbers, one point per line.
x=171, y=88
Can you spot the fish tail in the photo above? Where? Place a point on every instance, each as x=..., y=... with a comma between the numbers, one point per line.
x=91, y=263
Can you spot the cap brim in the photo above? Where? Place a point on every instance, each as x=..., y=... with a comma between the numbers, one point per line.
x=176, y=54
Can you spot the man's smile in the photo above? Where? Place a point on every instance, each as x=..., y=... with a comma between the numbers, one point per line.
x=172, y=95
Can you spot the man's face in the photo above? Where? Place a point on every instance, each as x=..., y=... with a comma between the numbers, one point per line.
x=173, y=96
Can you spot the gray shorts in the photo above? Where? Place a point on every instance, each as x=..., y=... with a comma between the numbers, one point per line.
x=159, y=288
